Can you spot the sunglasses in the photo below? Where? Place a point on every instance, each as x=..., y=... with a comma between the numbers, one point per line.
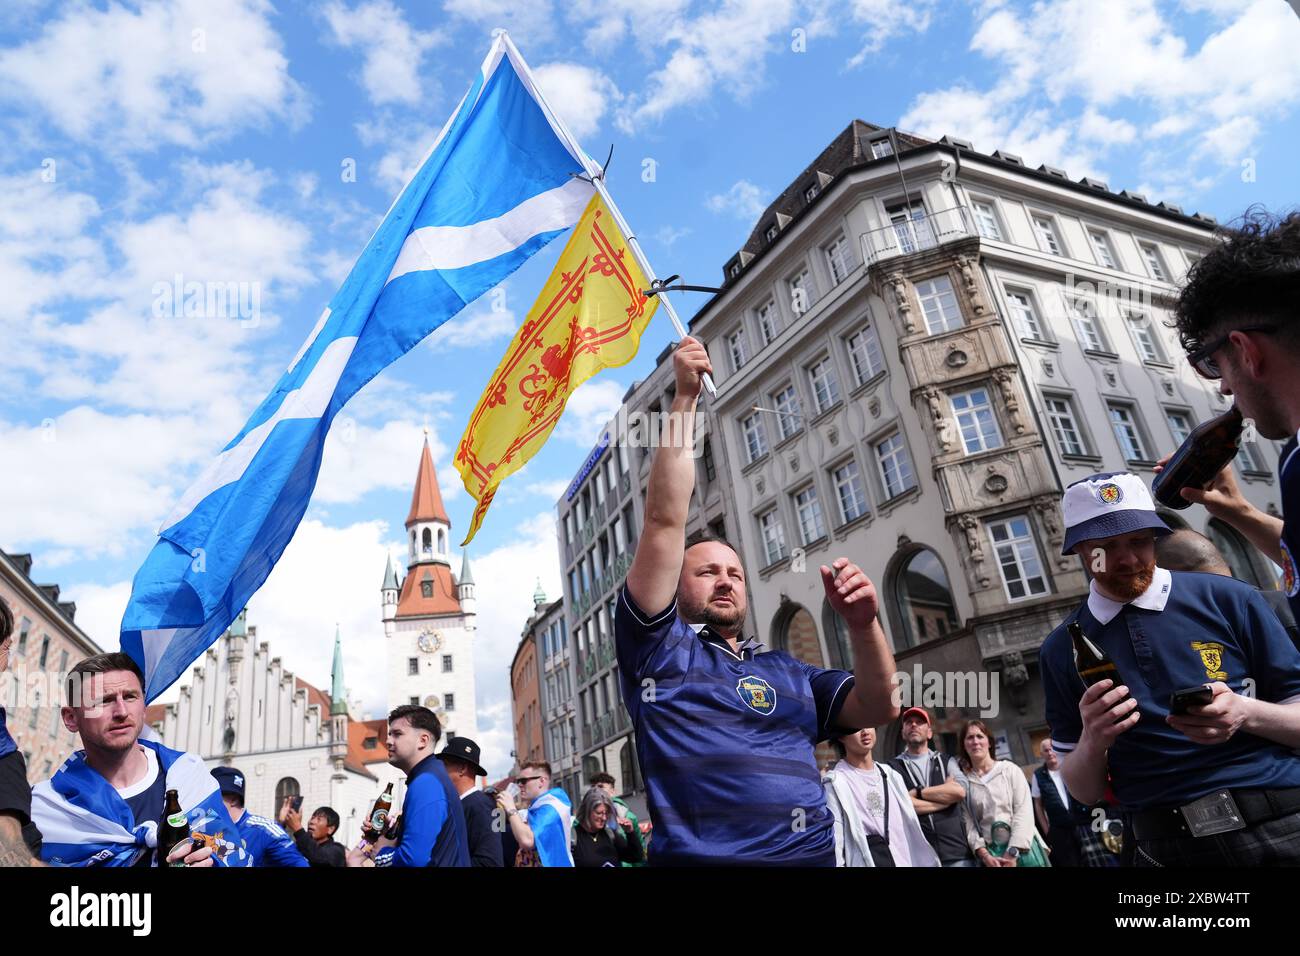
x=1202, y=359
x=523, y=780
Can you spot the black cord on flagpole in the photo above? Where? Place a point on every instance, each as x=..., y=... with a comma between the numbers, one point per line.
x=662, y=285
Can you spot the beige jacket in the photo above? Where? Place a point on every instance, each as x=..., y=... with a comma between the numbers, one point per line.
x=1004, y=796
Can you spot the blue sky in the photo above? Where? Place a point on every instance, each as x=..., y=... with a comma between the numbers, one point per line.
x=210, y=139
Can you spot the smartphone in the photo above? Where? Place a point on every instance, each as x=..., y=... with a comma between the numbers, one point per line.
x=296, y=803
x=1197, y=696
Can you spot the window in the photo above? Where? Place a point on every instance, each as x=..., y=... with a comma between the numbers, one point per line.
x=1022, y=571
x=1144, y=337
x=837, y=257
x=23, y=628
x=771, y=232
x=1101, y=248
x=773, y=535
x=895, y=466
x=922, y=600
x=1180, y=423
x=1155, y=265
x=986, y=220
x=826, y=389
x=1248, y=458
x=811, y=192
x=1020, y=302
x=1084, y=315
x=939, y=305
x=1123, y=420
x=710, y=473
x=979, y=429
x=1060, y=412
x=809, y=510
x=1045, y=233
x=786, y=403
x=412, y=666
x=734, y=270
x=426, y=589
x=45, y=650
x=769, y=324
x=864, y=354
x=911, y=228
x=287, y=787
x=837, y=637
x=801, y=293
x=882, y=148
x=63, y=663
x=848, y=489
x=446, y=659
x=738, y=349
x=755, y=437
x=449, y=702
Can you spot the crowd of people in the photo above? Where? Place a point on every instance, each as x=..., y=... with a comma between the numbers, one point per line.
x=1191, y=741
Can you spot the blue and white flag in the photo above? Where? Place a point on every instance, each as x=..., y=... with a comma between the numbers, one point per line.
x=85, y=822
x=498, y=185
x=550, y=817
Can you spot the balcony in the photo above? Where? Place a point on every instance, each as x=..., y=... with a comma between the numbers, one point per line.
x=917, y=235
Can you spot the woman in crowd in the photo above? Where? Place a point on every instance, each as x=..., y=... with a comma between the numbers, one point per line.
x=997, y=791
x=875, y=823
x=596, y=841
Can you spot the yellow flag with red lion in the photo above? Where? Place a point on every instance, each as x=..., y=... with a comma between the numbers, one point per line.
x=589, y=316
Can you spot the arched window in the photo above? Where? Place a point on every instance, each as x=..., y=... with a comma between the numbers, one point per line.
x=837, y=638
x=1237, y=552
x=287, y=787
x=627, y=768
x=795, y=632
x=442, y=541
x=426, y=539
x=922, y=606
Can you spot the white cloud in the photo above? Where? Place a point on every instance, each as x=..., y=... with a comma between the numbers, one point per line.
x=743, y=200
x=885, y=19
x=359, y=459
x=551, y=490
x=580, y=95
x=529, y=21
x=588, y=410
x=155, y=76
x=667, y=235
x=476, y=328
x=393, y=49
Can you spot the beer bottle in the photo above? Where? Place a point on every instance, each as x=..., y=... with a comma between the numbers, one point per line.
x=174, y=828
x=1089, y=660
x=379, y=815
x=1202, y=455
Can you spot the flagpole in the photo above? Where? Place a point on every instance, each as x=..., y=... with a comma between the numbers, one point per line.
x=598, y=180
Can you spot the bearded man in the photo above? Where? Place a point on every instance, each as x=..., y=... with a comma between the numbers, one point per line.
x=726, y=734
x=1211, y=784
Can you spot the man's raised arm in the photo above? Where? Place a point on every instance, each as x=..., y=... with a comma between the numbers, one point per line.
x=652, y=579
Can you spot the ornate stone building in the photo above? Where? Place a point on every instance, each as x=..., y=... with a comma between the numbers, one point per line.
x=918, y=347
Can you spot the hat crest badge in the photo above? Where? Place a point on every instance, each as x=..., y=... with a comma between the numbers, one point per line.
x=1109, y=493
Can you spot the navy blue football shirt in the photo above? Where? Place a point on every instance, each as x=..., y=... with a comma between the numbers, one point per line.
x=1187, y=629
x=1289, y=471
x=726, y=743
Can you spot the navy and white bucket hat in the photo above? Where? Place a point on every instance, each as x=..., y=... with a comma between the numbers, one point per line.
x=1102, y=506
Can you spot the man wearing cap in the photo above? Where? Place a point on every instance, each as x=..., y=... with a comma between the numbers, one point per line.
x=265, y=841
x=937, y=788
x=1220, y=784
x=460, y=757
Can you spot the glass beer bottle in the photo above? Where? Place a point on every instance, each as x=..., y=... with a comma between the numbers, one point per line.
x=1200, y=457
x=1091, y=661
x=174, y=828
x=379, y=815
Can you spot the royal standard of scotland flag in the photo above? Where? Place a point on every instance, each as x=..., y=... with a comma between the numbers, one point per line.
x=496, y=187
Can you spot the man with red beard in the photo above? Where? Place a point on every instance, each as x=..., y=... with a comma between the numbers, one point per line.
x=725, y=734
x=1218, y=785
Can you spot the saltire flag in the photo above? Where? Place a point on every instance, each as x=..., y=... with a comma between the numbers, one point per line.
x=589, y=316
x=497, y=185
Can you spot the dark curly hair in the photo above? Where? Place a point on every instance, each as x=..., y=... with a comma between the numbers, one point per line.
x=1252, y=276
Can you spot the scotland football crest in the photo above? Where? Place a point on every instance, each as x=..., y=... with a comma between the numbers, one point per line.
x=758, y=694
x=1109, y=493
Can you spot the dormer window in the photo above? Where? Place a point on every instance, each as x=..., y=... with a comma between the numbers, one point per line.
x=734, y=270
x=811, y=192
x=881, y=148
x=772, y=230
x=426, y=588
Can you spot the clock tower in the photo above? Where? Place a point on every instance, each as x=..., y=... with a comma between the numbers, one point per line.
x=429, y=631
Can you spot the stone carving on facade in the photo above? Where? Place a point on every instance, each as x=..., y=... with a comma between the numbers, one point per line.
x=873, y=406
x=970, y=527
x=943, y=428
x=1109, y=375
x=1050, y=517
x=995, y=484
x=1049, y=367
x=1006, y=385
x=794, y=462
x=1168, y=383
x=902, y=302
x=833, y=436
x=971, y=285
x=1016, y=676
x=956, y=358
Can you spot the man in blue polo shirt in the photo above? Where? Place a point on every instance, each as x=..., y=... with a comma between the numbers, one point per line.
x=1238, y=317
x=725, y=735
x=1219, y=785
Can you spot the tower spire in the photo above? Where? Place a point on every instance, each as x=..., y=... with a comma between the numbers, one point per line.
x=338, y=692
x=426, y=502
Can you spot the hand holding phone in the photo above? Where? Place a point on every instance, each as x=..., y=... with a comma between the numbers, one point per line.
x=1197, y=696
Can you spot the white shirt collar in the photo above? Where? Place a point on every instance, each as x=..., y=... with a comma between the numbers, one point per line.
x=1154, y=598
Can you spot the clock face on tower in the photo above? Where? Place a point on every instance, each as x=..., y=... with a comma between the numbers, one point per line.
x=429, y=641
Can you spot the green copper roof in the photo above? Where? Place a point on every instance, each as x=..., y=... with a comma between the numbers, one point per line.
x=466, y=575
x=539, y=596
x=338, y=693
x=390, y=576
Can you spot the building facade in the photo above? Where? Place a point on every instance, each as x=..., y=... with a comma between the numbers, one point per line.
x=46, y=645
x=559, y=712
x=917, y=349
x=430, y=616
x=526, y=701
x=243, y=708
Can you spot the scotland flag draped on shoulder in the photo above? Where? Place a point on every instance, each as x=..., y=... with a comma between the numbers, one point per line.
x=85, y=822
x=496, y=187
